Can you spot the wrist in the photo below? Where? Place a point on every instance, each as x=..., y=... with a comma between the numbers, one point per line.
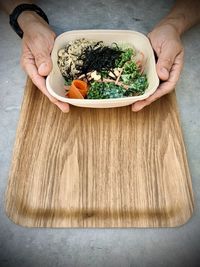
x=27, y=18
x=178, y=23
x=28, y=15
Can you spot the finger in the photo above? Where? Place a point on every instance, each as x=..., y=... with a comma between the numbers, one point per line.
x=43, y=62
x=41, y=54
x=41, y=45
x=165, y=87
x=137, y=106
x=166, y=60
x=41, y=59
x=39, y=81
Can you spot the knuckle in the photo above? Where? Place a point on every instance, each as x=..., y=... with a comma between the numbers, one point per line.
x=167, y=60
x=39, y=55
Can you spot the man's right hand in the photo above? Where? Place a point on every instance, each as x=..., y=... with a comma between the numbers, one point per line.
x=37, y=44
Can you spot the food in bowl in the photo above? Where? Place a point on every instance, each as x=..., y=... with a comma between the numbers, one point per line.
x=94, y=70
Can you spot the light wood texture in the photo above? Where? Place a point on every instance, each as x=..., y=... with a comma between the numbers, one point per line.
x=98, y=168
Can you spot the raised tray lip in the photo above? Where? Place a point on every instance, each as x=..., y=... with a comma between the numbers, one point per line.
x=94, y=102
x=20, y=222
x=31, y=224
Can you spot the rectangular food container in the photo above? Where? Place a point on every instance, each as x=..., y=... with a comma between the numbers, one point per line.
x=55, y=80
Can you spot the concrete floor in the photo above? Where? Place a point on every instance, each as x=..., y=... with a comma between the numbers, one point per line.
x=99, y=247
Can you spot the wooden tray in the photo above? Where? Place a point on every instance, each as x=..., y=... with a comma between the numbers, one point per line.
x=98, y=168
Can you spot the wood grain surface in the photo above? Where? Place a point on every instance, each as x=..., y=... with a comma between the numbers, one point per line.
x=98, y=167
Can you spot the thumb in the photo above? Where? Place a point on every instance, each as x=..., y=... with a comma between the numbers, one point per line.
x=165, y=61
x=43, y=63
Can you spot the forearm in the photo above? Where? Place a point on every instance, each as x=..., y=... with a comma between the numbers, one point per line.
x=183, y=15
x=26, y=17
x=9, y=5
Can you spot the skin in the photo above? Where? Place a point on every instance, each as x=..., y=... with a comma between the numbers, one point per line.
x=165, y=38
x=170, y=55
x=36, y=50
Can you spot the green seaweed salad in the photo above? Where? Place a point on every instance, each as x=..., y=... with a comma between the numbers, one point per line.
x=105, y=71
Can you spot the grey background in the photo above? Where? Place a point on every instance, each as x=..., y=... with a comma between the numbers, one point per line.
x=99, y=247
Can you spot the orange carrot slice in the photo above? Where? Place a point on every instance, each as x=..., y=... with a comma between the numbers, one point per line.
x=78, y=89
x=81, y=86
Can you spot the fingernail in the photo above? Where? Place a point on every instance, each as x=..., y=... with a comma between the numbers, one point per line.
x=63, y=106
x=164, y=71
x=65, y=110
x=137, y=108
x=42, y=68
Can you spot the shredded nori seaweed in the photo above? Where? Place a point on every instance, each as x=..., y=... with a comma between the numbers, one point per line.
x=68, y=75
x=99, y=58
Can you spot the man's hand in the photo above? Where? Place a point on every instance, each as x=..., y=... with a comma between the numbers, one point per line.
x=37, y=44
x=166, y=43
x=165, y=40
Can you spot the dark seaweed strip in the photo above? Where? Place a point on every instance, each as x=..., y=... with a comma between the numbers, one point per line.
x=98, y=58
x=116, y=45
x=98, y=43
x=68, y=76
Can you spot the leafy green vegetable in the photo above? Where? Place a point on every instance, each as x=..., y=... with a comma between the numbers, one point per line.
x=67, y=82
x=104, y=74
x=125, y=56
x=105, y=90
x=130, y=72
x=138, y=87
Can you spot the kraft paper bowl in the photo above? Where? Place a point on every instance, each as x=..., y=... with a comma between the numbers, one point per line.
x=55, y=81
